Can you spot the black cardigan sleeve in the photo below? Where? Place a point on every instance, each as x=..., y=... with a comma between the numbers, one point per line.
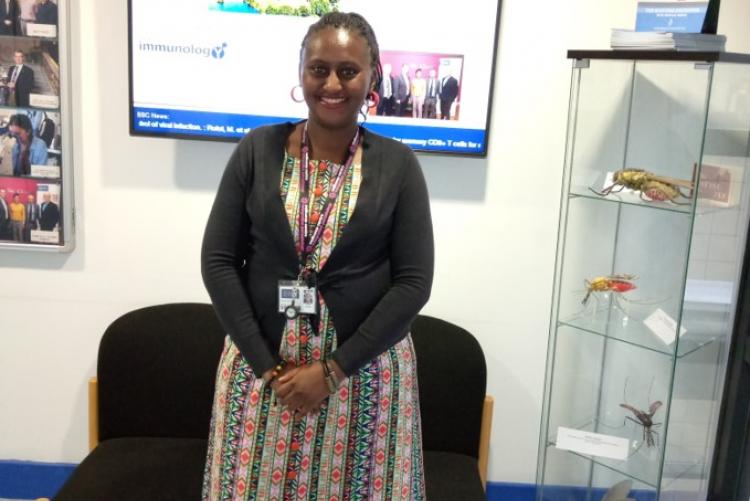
x=412, y=261
x=225, y=247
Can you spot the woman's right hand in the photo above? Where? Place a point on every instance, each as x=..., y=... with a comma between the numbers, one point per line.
x=303, y=389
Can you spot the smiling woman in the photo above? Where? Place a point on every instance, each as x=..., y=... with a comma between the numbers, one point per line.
x=316, y=391
x=336, y=76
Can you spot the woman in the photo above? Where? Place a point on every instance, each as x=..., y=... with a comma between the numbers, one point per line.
x=29, y=150
x=418, y=89
x=319, y=404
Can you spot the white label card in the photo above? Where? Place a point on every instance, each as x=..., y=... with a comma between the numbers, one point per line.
x=663, y=326
x=592, y=444
x=52, y=171
x=45, y=237
x=41, y=30
x=44, y=101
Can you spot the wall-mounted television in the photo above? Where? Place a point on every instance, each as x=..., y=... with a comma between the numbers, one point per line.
x=208, y=69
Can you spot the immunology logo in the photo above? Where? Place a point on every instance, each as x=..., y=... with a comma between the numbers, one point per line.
x=216, y=52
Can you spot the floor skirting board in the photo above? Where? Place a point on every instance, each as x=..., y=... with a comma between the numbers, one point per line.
x=501, y=491
x=528, y=492
x=31, y=479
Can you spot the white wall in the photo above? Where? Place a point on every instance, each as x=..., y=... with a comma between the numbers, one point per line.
x=142, y=205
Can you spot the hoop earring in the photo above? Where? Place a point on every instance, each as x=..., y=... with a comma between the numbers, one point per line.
x=373, y=99
x=294, y=98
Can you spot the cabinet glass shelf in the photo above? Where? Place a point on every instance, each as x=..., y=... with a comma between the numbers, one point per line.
x=629, y=199
x=643, y=465
x=625, y=198
x=616, y=325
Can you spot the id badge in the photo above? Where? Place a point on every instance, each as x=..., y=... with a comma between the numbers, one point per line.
x=297, y=298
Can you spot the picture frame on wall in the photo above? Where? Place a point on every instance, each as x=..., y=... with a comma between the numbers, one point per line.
x=36, y=174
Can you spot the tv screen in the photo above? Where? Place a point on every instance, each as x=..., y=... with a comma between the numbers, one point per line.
x=207, y=69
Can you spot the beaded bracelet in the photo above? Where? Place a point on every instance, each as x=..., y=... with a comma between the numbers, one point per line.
x=277, y=371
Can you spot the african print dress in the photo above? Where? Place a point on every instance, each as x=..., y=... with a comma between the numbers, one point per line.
x=365, y=441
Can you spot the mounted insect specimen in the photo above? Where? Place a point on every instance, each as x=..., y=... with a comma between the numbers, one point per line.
x=652, y=188
x=644, y=418
x=618, y=283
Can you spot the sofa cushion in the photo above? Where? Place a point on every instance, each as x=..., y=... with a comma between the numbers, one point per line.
x=452, y=477
x=166, y=469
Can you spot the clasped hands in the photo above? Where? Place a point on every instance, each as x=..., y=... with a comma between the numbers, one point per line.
x=301, y=388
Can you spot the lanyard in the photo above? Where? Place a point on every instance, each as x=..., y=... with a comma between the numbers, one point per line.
x=308, y=242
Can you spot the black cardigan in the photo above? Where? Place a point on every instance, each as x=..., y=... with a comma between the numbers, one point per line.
x=376, y=280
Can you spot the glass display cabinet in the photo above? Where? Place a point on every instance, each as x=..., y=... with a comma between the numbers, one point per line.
x=652, y=239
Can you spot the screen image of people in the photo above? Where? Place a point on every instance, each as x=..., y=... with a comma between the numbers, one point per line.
x=417, y=90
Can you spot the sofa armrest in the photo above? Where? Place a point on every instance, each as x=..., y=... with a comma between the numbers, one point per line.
x=484, y=438
x=93, y=413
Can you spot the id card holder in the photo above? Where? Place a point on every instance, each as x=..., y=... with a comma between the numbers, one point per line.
x=297, y=298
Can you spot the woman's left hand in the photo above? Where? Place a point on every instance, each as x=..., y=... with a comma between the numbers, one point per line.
x=304, y=389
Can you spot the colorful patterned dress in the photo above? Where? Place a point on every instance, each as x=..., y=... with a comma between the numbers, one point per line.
x=365, y=442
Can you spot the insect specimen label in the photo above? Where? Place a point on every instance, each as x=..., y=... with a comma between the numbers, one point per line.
x=663, y=326
x=592, y=444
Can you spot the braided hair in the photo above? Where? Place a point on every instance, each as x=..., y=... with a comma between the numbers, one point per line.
x=350, y=21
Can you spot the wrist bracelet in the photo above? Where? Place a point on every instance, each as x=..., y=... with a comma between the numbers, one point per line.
x=276, y=371
x=333, y=374
x=327, y=377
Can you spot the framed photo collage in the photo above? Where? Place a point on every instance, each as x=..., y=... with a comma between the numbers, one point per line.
x=34, y=205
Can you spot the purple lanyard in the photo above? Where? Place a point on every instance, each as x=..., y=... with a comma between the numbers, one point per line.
x=307, y=243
